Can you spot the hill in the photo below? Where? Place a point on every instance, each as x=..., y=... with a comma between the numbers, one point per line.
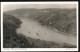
x=13, y=40
x=63, y=20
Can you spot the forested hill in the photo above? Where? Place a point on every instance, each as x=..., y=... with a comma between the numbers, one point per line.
x=33, y=11
x=13, y=40
x=64, y=20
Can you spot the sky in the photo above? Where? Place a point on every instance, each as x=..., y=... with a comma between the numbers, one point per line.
x=7, y=7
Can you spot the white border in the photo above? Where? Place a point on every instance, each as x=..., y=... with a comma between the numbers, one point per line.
x=37, y=49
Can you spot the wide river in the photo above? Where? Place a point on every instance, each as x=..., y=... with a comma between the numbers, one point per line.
x=33, y=29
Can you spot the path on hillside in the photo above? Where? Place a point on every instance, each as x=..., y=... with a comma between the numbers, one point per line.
x=33, y=29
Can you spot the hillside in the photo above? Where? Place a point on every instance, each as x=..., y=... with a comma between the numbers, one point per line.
x=63, y=20
x=13, y=40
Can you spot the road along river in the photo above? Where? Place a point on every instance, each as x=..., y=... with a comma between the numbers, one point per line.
x=33, y=29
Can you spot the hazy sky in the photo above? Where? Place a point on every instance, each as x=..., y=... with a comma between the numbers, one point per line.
x=8, y=7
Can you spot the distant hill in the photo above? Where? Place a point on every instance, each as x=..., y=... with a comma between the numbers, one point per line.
x=64, y=20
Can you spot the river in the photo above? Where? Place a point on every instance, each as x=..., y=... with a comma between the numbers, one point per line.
x=33, y=29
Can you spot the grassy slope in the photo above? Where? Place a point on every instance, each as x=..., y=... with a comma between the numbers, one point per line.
x=13, y=40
